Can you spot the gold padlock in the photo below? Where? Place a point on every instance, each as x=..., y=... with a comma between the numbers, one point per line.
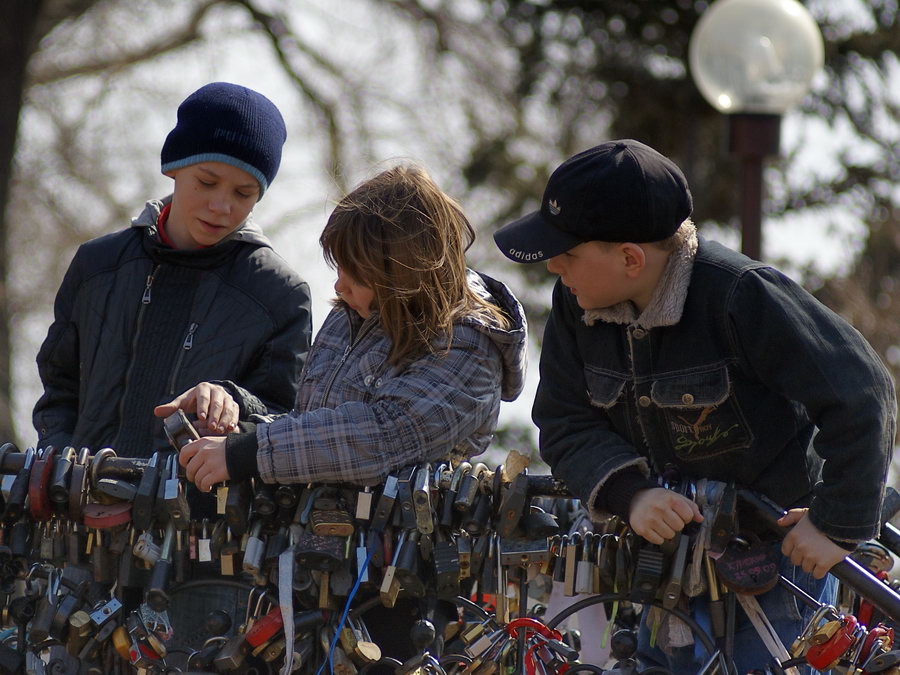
x=122, y=642
x=331, y=522
x=825, y=632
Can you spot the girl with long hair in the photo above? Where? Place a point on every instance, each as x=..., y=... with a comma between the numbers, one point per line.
x=411, y=364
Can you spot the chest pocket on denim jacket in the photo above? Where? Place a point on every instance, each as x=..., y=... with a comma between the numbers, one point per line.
x=607, y=391
x=701, y=417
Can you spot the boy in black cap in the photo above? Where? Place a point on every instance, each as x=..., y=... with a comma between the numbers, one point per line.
x=667, y=353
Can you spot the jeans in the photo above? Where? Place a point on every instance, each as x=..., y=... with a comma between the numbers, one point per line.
x=787, y=615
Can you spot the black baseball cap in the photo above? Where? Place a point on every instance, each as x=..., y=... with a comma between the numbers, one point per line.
x=617, y=191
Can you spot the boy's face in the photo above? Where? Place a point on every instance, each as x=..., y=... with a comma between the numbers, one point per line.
x=210, y=201
x=595, y=273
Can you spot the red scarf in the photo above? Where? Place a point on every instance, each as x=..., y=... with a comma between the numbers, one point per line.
x=161, y=225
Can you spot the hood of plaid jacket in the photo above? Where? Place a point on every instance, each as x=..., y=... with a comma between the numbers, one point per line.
x=511, y=342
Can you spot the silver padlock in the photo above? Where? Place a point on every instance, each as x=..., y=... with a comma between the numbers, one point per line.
x=146, y=549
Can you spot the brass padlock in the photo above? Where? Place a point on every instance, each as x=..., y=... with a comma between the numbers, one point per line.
x=331, y=522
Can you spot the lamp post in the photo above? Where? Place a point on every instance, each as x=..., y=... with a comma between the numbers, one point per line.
x=753, y=60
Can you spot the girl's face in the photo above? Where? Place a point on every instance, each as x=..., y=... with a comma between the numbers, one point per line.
x=357, y=296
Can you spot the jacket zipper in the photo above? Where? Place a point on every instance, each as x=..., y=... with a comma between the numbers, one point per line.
x=185, y=347
x=145, y=300
x=363, y=331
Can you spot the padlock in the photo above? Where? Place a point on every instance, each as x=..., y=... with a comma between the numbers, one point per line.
x=263, y=498
x=59, y=481
x=39, y=484
x=265, y=628
x=421, y=499
x=15, y=501
x=146, y=548
x=469, y=487
x=385, y=506
x=107, y=516
x=145, y=496
x=826, y=655
x=320, y=553
x=477, y=520
x=254, y=549
x=748, y=565
x=408, y=566
x=237, y=506
x=157, y=588
x=512, y=505
x=445, y=559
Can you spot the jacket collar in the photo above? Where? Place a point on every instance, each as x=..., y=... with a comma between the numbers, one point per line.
x=248, y=231
x=666, y=303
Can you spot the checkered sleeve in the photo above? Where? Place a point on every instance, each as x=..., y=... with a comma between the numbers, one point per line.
x=417, y=415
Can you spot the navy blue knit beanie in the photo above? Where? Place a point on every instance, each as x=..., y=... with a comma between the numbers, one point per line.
x=224, y=122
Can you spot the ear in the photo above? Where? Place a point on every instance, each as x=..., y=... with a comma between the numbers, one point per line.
x=634, y=258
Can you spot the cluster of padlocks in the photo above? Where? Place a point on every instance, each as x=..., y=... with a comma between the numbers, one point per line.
x=78, y=529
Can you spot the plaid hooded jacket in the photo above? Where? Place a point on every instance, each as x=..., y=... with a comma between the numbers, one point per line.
x=357, y=418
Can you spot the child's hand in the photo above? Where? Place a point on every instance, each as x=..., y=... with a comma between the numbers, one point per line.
x=216, y=411
x=807, y=547
x=204, y=462
x=657, y=514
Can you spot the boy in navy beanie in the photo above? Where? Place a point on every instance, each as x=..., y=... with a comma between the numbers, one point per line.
x=191, y=292
x=227, y=123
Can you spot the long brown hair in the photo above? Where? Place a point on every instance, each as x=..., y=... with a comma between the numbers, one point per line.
x=398, y=234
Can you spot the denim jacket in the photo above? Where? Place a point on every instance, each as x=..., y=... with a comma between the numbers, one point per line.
x=733, y=372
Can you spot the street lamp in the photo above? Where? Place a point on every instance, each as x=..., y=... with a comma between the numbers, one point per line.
x=753, y=60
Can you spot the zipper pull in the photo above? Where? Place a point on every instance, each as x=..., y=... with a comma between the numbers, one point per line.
x=189, y=338
x=145, y=300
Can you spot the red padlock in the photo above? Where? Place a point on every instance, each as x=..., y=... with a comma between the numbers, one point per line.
x=826, y=655
x=39, y=485
x=265, y=629
x=526, y=623
x=105, y=516
x=880, y=633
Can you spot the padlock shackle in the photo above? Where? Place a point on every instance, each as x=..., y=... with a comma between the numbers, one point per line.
x=527, y=623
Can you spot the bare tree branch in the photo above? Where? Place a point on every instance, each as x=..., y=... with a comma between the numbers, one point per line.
x=287, y=45
x=177, y=39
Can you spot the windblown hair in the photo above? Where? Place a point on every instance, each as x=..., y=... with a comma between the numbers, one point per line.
x=399, y=235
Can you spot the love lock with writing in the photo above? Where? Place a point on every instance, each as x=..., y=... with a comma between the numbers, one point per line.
x=749, y=565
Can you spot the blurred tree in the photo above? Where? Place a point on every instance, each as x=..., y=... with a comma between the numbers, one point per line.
x=89, y=162
x=25, y=23
x=576, y=72
x=500, y=91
